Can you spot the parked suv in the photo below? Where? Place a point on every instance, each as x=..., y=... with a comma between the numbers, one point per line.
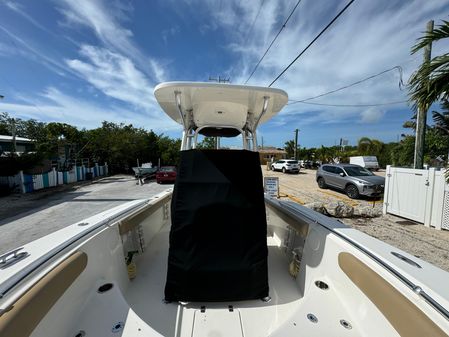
x=353, y=179
x=286, y=165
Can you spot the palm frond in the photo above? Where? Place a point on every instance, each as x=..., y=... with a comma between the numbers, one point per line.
x=430, y=82
x=441, y=32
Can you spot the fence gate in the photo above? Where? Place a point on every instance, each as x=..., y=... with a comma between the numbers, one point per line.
x=406, y=192
x=419, y=195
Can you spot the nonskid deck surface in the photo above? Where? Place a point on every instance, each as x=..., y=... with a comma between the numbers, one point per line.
x=287, y=309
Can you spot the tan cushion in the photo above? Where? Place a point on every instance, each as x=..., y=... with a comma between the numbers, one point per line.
x=26, y=313
x=403, y=315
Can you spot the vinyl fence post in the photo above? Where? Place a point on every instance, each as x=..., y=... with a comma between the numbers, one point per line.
x=55, y=177
x=386, y=187
x=22, y=182
x=440, y=184
x=430, y=182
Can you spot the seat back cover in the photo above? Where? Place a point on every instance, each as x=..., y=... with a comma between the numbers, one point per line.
x=218, y=246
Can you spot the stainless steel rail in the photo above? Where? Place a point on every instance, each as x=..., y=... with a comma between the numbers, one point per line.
x=299, y=212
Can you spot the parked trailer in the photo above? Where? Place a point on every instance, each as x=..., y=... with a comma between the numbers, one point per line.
x=368, y=162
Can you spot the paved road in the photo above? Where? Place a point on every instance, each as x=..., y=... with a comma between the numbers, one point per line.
x=29, y=217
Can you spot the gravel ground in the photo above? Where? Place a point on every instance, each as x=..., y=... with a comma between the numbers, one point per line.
x=426, y=243
x=429, y=244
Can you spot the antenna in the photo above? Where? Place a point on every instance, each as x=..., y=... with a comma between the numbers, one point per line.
x=220, y=79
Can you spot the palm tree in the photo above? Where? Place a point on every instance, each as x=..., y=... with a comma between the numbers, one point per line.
x=441, y=119
x=430, y=82
x=364, y=145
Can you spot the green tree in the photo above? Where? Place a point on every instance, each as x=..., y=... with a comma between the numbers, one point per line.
x=430, y=82
x=441, y=119
x=289, y=147
x=367, y=146
x=169, y=150
x=207, y=143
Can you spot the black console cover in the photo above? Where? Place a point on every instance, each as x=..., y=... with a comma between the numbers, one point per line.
x=218, y=245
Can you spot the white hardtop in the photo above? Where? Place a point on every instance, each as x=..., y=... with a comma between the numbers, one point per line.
x=219, y=104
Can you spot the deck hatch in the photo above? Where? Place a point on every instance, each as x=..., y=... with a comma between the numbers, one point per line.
x=217, y=322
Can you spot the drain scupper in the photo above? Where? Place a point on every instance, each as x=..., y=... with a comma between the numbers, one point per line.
x=105, y=287
x=118, y=327
x=345, y=324
x=312, y=318
x=322, y=285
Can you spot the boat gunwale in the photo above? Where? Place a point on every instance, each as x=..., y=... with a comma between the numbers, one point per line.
x=295, y=212
x=7, y=285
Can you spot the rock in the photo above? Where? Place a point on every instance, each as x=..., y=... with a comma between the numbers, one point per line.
x=317, y=207
x=340, y=209
x=368, y=212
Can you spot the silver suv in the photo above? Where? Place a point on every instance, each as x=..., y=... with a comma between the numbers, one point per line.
x=286, y=165
x=353, y=179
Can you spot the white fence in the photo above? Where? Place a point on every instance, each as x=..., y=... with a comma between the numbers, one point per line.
x=26, y=183
x=419, y=195
x=12, y=182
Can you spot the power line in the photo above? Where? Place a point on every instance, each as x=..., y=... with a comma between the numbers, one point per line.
x=353, y=84
x=313, y=41
x=355, y=105
x=266, y=51
x=254, y=21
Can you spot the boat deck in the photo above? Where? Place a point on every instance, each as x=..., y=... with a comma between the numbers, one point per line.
x=285, y=314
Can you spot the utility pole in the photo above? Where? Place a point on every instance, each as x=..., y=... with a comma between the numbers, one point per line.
x=296, y=144
x=421, y=118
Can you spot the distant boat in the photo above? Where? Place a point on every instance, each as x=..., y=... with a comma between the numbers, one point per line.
x=215, y=256
x=144, y=171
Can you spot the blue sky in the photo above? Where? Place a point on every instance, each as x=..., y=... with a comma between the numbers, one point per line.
x=85, y=61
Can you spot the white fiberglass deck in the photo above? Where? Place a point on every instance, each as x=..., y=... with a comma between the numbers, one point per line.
x=287, y=311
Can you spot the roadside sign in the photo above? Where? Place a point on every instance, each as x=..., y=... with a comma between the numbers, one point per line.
x=271, y=186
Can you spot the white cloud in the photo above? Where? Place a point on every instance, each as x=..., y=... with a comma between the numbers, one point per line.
x=115, y=75
x=29, y=51
x=371, y=115
x=369, y=37
x=18, y=8
x=167, y=33
x=59, y=107
x=104, y=18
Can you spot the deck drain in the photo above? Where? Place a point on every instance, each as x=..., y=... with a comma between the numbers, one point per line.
x=83, y=224
x=81, y=333
x=346, y=324
x=322, y=285
x=312, y=318
x=118, y=327
x=105, y=287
